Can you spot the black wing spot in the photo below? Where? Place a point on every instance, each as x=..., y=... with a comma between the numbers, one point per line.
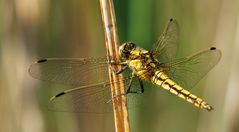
x=62, y=93
x=43, y=60
x=171, y=19
x=213, y=48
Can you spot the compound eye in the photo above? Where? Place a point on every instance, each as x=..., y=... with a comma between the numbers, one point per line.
x=124, y=51
x=129, y=46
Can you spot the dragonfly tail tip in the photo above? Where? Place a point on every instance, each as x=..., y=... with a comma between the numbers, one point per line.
x=210, y=108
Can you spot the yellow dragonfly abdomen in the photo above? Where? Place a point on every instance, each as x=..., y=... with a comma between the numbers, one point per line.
x=161, y=79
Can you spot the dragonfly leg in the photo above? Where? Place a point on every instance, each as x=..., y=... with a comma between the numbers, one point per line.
x=121, y=70
x=129, y=87
x=124, y=64
x=118, y=63
x=136, y=92
x=130, y=84
x=127, y=91
x=141, y=85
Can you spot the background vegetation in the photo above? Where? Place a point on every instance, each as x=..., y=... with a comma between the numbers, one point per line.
x=34, y=29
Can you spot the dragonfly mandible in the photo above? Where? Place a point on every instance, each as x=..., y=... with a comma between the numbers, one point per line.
x=89, y=76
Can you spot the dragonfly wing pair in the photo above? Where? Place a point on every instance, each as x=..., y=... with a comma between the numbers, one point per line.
x=91, y=92
x=90, y=76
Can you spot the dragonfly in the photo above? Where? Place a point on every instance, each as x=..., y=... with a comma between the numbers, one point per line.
x=159, y=66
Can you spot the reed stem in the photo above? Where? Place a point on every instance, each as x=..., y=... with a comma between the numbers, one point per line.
x=112, y=42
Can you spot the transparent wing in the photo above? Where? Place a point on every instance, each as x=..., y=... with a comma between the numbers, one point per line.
x=166, y=46
x=89, y=99
x=190, y=70
x=94, y=98
x=71, y=71
x=90, y=75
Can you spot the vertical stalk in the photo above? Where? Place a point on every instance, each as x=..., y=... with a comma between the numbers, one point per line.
x=111, y=37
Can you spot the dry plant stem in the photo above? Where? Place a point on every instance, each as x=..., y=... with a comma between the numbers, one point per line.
x=111, y=36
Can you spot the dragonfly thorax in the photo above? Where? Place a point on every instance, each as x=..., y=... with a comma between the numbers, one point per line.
x=138, y=60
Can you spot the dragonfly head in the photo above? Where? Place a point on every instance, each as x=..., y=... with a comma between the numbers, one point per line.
x=125, y=50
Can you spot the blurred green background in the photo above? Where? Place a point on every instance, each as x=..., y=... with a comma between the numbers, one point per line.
x=35, y=29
